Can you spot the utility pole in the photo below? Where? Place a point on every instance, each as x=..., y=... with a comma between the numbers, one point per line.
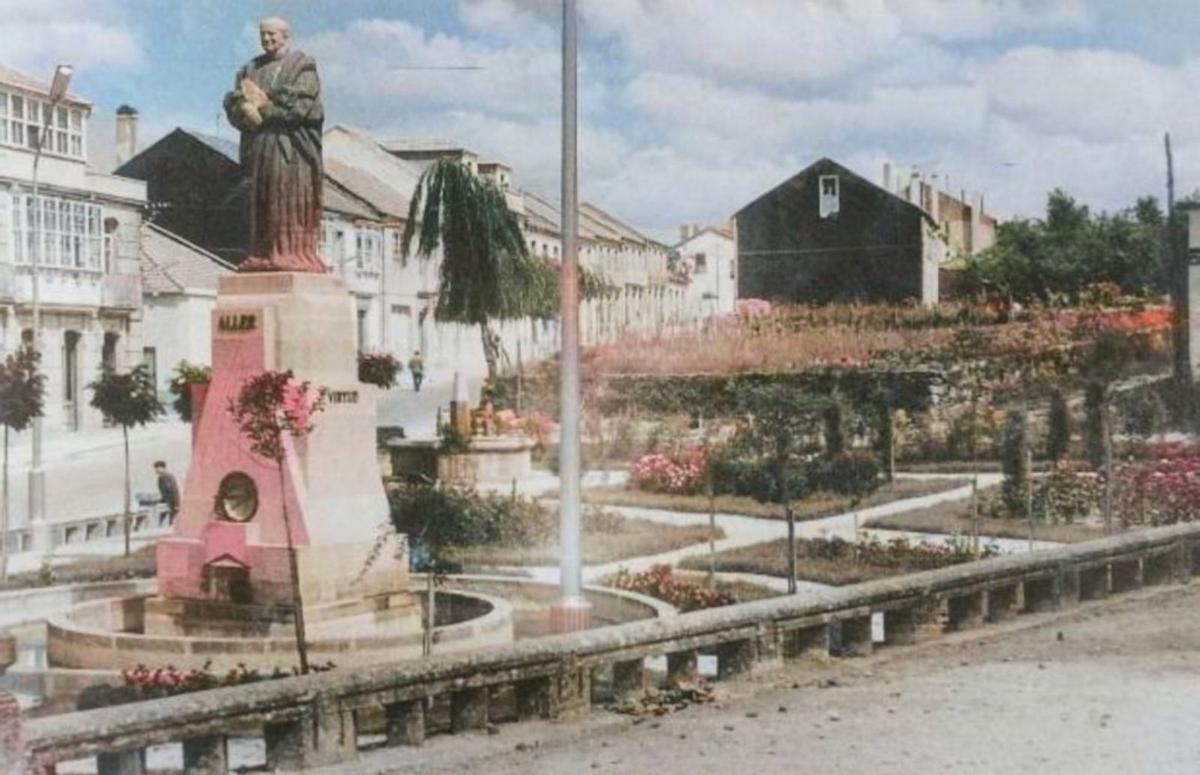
x=572, y=611
x=37, y=474
x=1177, y=273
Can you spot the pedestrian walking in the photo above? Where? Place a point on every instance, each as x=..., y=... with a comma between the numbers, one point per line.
x=416, y=367
x=168, y=488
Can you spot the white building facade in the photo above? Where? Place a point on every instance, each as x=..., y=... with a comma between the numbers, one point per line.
x=708, y=256
x=83, y=232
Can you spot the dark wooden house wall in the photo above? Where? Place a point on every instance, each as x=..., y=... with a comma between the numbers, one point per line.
x=188, y=185
x=871, y=250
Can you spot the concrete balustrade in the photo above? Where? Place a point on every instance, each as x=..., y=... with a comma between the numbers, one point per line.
x=311, y=720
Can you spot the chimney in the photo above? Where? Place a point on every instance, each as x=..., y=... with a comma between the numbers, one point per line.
x=127, y=120
x=685, y=232
x=887, y=176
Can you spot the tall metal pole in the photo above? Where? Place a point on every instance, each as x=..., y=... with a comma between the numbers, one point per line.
x=572, y=612
x=37, y=474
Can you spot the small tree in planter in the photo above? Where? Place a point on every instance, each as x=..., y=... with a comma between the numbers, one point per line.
x=186, y=375
x=379, y=369
x=126, y=399
x=783, y=423
x=267, y=408
x=22, y=394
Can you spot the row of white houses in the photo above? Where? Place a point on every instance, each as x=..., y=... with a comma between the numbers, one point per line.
x=129, y=261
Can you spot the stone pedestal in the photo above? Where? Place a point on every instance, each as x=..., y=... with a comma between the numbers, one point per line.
x=225, y=569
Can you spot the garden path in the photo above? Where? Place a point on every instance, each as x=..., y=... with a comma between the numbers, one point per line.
x=741, y=531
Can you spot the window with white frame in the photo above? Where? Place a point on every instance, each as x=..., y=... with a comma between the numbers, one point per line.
x=333, y=244
x=368, y=256
x=22, y=117
x=72, y=233
x=701, y=263
x=829, y=203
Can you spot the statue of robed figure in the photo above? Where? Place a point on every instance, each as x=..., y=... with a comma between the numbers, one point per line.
x=276, y=104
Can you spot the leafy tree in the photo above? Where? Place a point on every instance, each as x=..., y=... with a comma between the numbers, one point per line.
x=1073, y=248
x=1058, y=434
x=22, y=394
x=782, y=425
x=268, y=408
x=1094, y=436
x=1015, y=461
x=186, y=375
x=127, y=399
x=834, y=418
x=487, y=273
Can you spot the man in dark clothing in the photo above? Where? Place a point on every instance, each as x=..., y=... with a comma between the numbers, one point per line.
x=416, y=367
x=168, y=488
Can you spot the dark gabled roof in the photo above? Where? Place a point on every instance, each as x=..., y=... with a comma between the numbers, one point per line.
x=827, y=165
x=170, y=264
x=227, y=148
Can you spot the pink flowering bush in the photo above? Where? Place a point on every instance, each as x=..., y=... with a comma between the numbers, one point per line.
x=752, y=308
x=681, y=473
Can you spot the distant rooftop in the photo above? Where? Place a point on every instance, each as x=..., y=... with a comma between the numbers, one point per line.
x=426, y=145
x=11, y=77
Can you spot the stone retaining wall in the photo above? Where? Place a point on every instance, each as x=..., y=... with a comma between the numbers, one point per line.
x=315, y=720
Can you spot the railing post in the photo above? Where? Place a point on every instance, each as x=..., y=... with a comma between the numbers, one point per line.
x=468, y=710
x=856, y=637
x=628, y=680
x=965, y=611
x=808, y=643
x=208, y=755
x=1002, y=602
x=323, y=735
x=122, y=762
x=1093, y=583
x=905, y=626
x=682, y=668
x=574, y=695
x=1126, y=575
x=735, y=657
x=534, y=698
x=405, y=722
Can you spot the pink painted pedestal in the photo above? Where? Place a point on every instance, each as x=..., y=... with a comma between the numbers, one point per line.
x=224, y=570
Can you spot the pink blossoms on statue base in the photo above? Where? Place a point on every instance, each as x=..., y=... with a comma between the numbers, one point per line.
x=276, y=104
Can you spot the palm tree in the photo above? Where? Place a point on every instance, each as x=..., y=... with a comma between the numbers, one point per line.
x=487, y=273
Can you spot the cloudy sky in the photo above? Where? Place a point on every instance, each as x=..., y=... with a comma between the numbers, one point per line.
x=691, y=108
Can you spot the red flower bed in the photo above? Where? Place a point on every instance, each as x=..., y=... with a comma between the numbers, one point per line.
x=660, y=582
x=1159, y=492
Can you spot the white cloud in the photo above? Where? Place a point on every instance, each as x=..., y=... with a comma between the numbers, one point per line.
x=1092, y=94
x=374, y=62
x=36, y=36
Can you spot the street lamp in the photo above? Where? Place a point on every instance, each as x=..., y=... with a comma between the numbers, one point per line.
x=572, y=611
x=37, y=475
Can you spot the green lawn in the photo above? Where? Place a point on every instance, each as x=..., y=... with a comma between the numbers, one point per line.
x=619, y=539
x=816, y=506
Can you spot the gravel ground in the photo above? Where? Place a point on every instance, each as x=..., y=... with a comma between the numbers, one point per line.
x=1109, y=687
